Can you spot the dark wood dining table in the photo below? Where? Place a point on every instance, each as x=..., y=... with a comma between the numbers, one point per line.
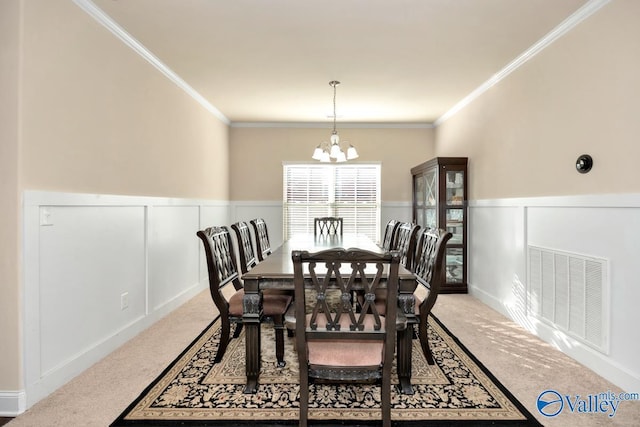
x=276, y=272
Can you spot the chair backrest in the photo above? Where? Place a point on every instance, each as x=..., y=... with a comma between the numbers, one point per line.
x=389, y=234
x=221, y=264
x=405, y=242
x=326, y=226
x=245, y=246
x=263, y=246
x=328, y=330
x=429, y=266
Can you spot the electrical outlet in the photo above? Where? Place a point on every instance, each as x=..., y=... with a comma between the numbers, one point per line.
x=124, y=300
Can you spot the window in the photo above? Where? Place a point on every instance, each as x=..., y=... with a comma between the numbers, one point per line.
x=348, y=191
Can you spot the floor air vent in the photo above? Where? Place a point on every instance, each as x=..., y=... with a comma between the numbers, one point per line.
x=570, y=293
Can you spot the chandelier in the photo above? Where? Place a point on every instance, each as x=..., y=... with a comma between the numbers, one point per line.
x=328, y=151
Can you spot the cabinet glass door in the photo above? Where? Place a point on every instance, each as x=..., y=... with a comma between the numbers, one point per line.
x=454, y=265
x=455, y=188
x=431, y=188
x=455, y=211
x=431, y=200
x=455, y=225
x=455, y=197
x=420, y=191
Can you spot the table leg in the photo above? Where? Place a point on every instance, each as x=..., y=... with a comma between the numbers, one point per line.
x=406, y=303
x=252, y=312
x=404, y=359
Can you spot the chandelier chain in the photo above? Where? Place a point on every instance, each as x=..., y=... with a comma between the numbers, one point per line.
x=334, y=83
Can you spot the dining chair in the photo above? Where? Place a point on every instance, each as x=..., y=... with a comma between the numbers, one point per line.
x=405, y=242
x=227, y=292
x=263, y=246
x=245, y=246
x=327, y=226
x=389, y=234
x=334, y=342
x=247, y=257
x=429, y=269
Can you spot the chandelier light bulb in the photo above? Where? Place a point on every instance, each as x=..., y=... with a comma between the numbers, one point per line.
x=352, y=153
x=317, y=153
x=335, y=150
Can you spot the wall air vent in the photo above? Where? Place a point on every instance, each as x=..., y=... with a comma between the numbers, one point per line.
x=570, y=292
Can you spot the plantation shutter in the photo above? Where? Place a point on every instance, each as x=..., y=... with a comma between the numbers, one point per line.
x=348, y=191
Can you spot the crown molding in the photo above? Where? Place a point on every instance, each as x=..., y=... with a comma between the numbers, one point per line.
x=572, y=21
x=588, y=9
x=321, y=125
x=105, y=20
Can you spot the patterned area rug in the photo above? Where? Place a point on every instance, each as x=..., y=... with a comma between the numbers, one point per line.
x=192, y=391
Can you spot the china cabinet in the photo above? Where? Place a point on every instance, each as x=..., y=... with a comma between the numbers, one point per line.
x=440, y=201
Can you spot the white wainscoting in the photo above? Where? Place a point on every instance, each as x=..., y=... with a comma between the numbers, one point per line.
x=85, y=255
x=603, y=226
x=83, y=252
x=90, y=249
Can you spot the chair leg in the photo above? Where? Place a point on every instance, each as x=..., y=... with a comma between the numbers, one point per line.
x=278, y=323
x=225, y=331
x=238, y=330
x=424, y=342
x=386, y=401
x=304, y=400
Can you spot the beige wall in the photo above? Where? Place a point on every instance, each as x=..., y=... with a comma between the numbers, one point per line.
x=580, y=95
x=9, y=194
x=81, y=112
x=257, y=155
x=98, y=118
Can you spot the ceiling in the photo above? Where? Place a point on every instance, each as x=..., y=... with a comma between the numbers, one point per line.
x=399, y=61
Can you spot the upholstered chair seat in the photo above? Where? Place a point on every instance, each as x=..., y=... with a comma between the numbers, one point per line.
x=346, y=352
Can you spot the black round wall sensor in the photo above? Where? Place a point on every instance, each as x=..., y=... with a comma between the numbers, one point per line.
x=584, y=163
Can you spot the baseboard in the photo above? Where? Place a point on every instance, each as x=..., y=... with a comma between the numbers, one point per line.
x=590, y=358
x=12, y=403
